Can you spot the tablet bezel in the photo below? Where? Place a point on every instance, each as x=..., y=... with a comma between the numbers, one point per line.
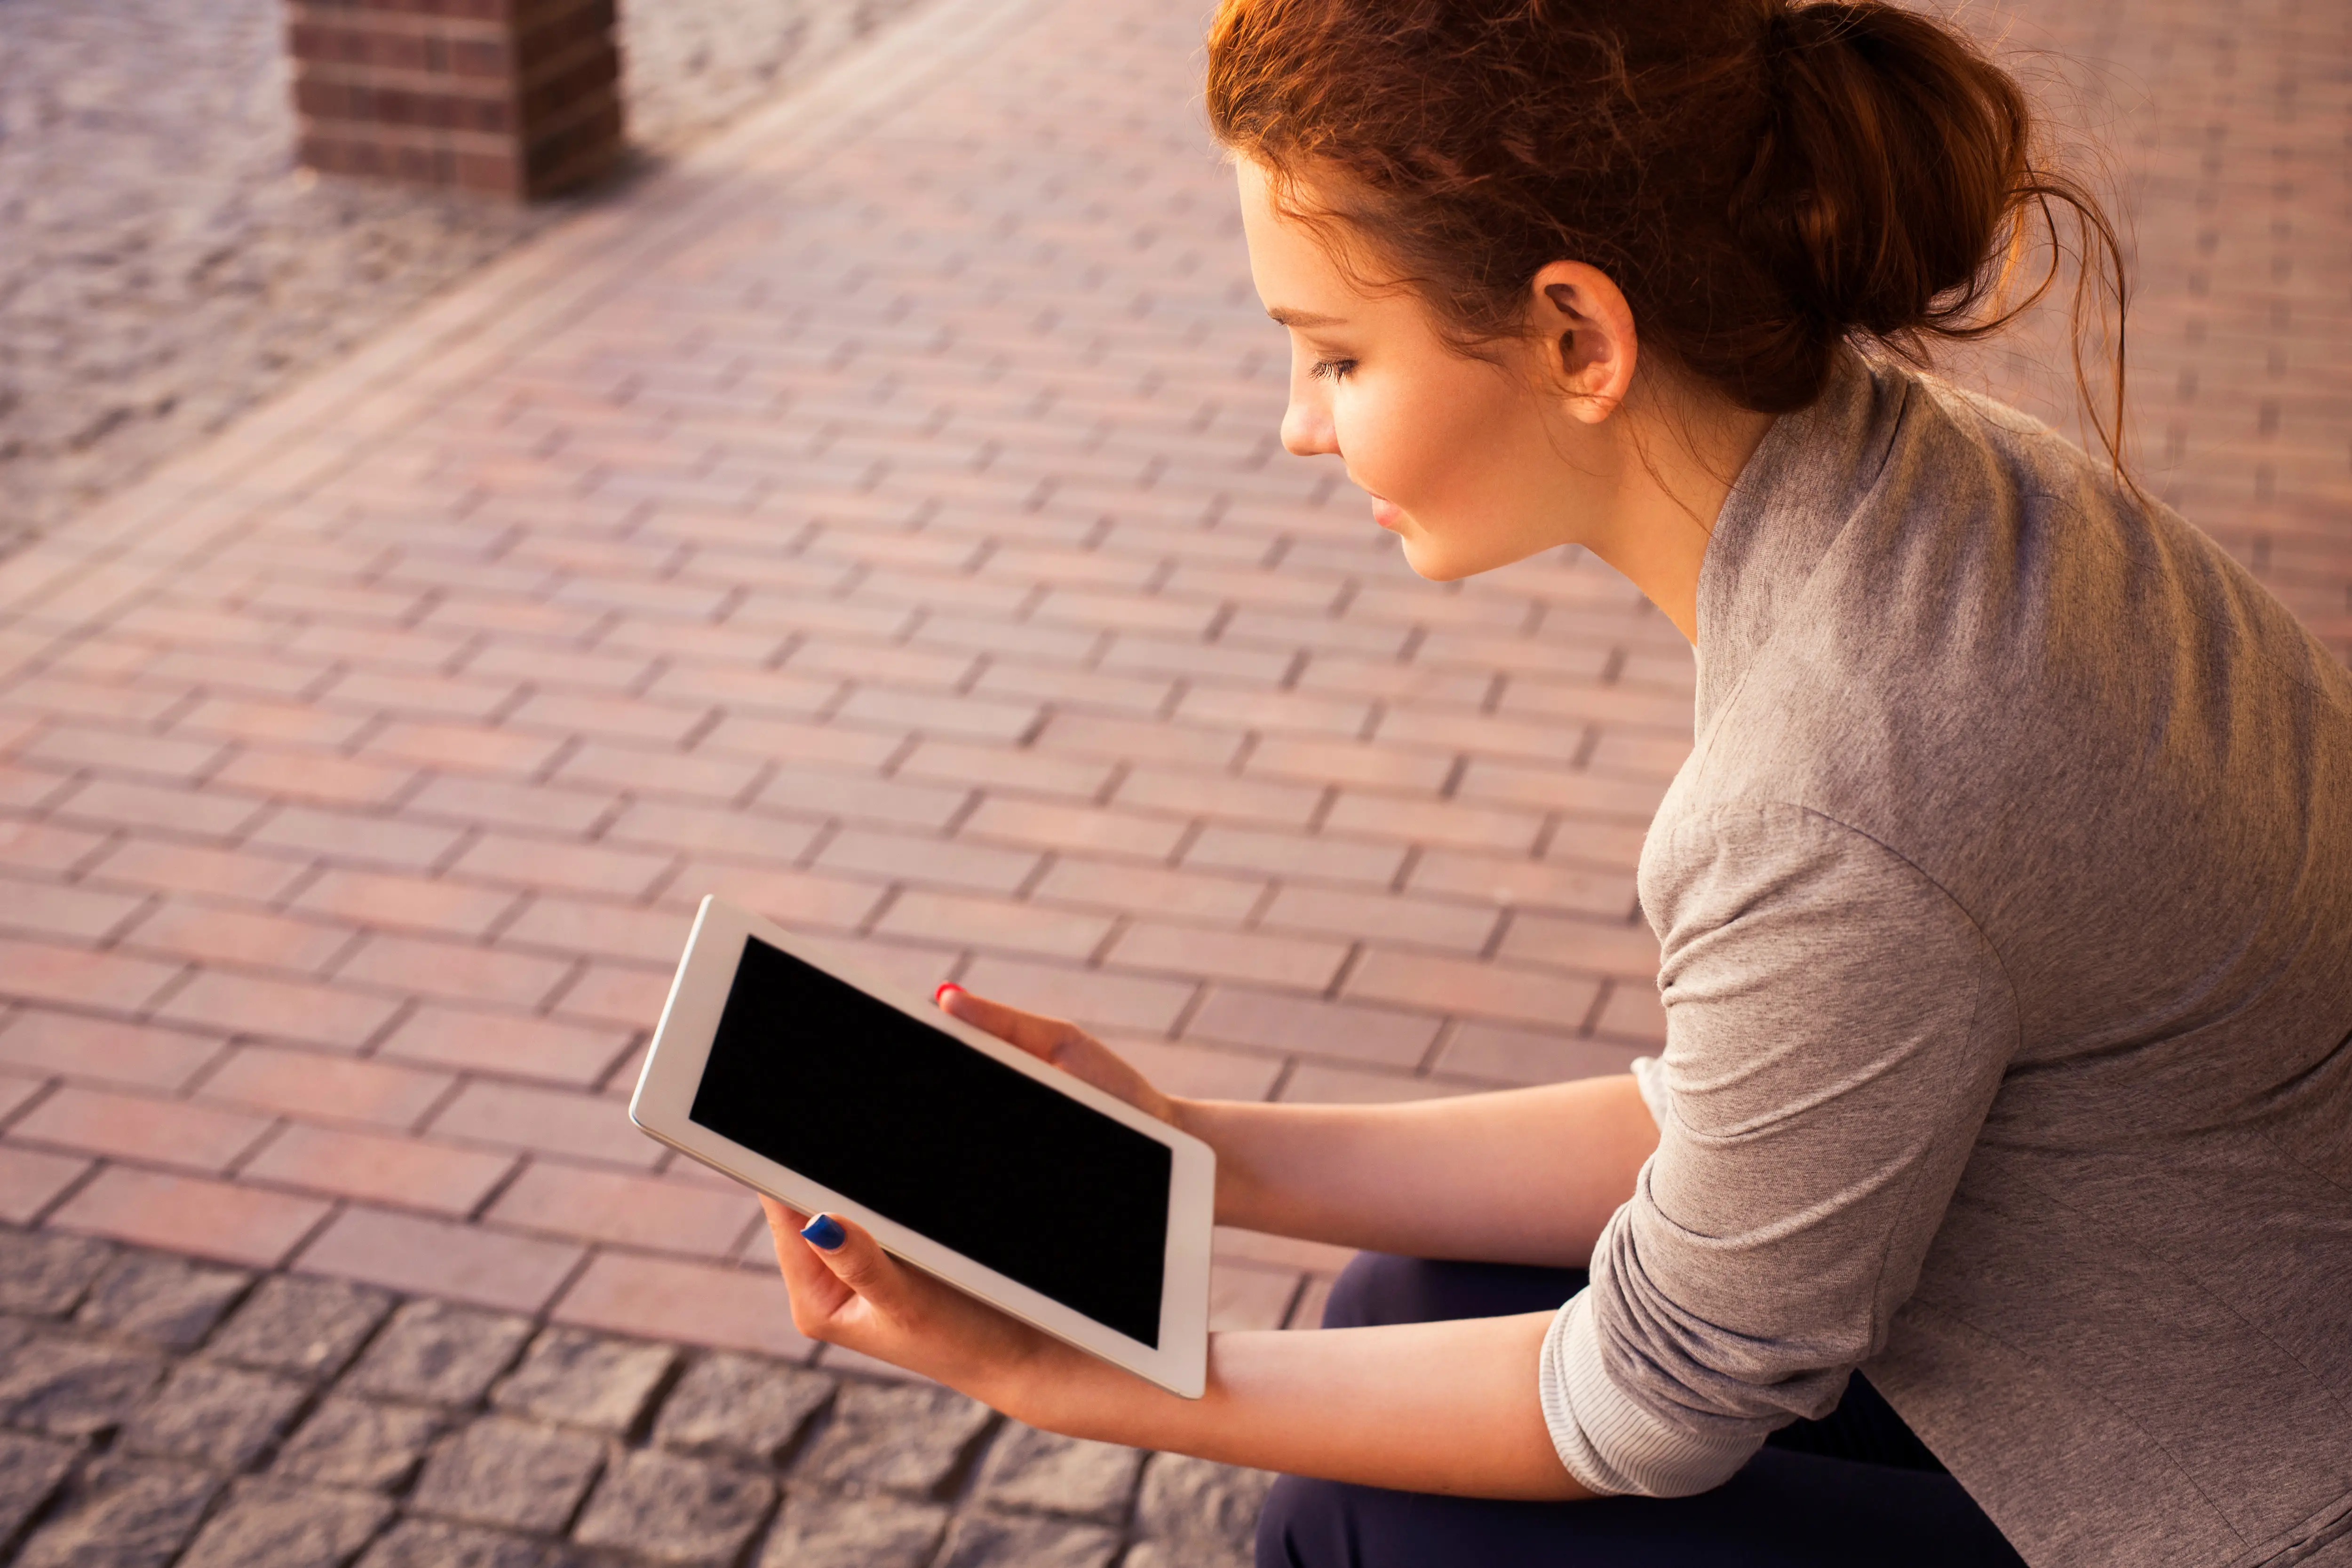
x=663, y=1102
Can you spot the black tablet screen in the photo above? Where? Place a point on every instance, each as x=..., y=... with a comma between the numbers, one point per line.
x=949, y=1142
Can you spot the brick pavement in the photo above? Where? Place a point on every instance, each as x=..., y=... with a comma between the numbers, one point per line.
x=160, y=1410
x=880, y=520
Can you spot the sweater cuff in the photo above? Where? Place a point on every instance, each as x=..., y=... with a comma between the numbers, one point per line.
x=1610, y=1444
x=1649, y=1077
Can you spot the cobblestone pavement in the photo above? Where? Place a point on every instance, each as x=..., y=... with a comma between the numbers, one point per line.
x=159, y=1410
x=878, y=518
x=165, y=264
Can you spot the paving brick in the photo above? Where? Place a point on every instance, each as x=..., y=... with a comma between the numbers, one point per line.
x=474, y=801
x=669, y=772
x=304, y=1326
x=594, y=1204
x=975, y=1539
x=1276, y=1021
x=47, y=1274
x=137, y=1127
x=815, y=1531
x=404, y=1171
x=38, y=907
x=1357, y=862
x=1195, y=895
x=994, y=923
x=596, y=868
x=462, y=748
x=30, y=1181
x=360, y=1443
x=1623, y=948
x=1220, y=797
x=431, y=1544
x=674, y=1509
x=436, y=1353
x=544, y=1121
x=1062, y=827
x=1633, y=1014
x=123, y=1513
x=1303, y=964
x=1441, y=984
x=133, y=752
x=315, y=1012
x=238, y=938
x=560, y=924
x=455, y=971
x=1005, y=768
x=1142, y=1003
x=515, y=1045
x=927, y=862
x=381, y=898
x=627, y=996
x=1037, y=1471
x=585, y=1380
x=739, y=1405
x=328, y=778
x=187, y=1213
x=1533, y=884
x=77, y=977
x=27, y=847
x=166, y=1301
x=1503, y=1054
x=357, y=840
x=73, y=1388
x=862, y=797
x=211, y=1415
x=1128, y=740
x=906, y=1437
x=509, y=1474
x=409, y=1252
x=195, y=868
x=721, y=1305
x=1200, y=1506
x=272, y=1524
x=311, y=1085
x=245, y=718
x=121, y=803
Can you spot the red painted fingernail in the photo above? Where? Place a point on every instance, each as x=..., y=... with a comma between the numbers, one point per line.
x=945, y=987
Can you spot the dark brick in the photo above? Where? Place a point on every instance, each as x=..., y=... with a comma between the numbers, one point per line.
x=824, y=1532
x=302, y=1325
x=585, y=1380
x=30, y=1469
x=428, y=1543
x=1004, y=1541
x=212, y=1414
x=270, y=1523
x=901, y=1437
x=165, y=1300
x=1192, y=1503
x=671, y=1509
x=1033, y=1470
x=73, y=1388
x=740, y=1405
x=439, y=1354
x=123, y=1513
x=45, y=1273
x=353, y=1442
x=508, y=1473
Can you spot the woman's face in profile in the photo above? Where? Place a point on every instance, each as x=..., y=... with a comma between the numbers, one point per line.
x=1466, y=461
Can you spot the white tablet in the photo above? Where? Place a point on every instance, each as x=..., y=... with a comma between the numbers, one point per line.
x=966, y=1156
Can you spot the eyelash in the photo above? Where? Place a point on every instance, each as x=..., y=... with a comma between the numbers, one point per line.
x=1333, y=369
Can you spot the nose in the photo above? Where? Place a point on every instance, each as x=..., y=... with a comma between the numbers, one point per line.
x=1306, y=429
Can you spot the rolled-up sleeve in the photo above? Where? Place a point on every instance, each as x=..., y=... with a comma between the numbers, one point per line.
x=1836, y=1027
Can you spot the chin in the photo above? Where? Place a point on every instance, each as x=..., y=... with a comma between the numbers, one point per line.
x=1433, y=561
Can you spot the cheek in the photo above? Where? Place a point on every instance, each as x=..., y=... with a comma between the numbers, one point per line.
x=1429, y=441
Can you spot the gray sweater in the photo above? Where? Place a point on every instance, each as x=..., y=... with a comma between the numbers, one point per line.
x=2005, y=906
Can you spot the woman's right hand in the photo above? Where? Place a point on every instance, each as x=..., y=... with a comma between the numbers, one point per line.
x=1064, y=1045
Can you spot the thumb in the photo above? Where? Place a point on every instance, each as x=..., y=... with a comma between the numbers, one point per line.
x=857, y=1260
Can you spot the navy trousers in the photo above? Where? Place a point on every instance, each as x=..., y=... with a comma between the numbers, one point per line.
x=1854, y=1489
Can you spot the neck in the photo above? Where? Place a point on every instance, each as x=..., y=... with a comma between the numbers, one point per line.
x=1672, y=477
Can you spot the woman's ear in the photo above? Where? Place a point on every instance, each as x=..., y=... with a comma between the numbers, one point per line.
x=1586, y=329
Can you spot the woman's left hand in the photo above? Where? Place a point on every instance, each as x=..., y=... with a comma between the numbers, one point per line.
x=855, y=1295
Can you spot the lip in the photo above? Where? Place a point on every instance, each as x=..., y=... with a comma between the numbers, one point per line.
x=1386, y=513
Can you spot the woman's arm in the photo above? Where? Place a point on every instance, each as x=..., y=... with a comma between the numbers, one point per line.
x=1437, y=1407
x=1526, y=1175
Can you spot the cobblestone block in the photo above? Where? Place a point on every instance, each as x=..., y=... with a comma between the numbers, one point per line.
x=30, y=1469
x=73, y=1388
x=825, y=1531
x=211, y=1415
x=740, y=1405
x=270, y=1523
x=167, y=1301
x=426, y=1544
x=124, y=1513
x=438, y=1353
x=585, y=1380
x=508, y=1473
x=1029, y=1469
x=676, y=1510
x=907, y=1437
x=300, y=1325
x=45, y=1273
x=1184, y=1554
x=353, y=1442
x=1188, y=1502
x=1009, y=1541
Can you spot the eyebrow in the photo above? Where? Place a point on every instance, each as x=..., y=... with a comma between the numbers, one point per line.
x=1309, y=319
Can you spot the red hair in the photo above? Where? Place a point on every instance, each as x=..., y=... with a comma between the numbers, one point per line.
x=1764, y=180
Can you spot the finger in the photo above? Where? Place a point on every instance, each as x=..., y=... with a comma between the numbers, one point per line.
x=1039, y=1035
x=857, y=1261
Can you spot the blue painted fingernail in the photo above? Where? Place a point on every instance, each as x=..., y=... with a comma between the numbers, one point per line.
x=825, y=1231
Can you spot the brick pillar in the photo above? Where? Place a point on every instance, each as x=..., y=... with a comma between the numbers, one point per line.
x=510, y=98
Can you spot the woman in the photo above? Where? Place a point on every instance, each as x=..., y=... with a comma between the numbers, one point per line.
x=1993, y=1196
